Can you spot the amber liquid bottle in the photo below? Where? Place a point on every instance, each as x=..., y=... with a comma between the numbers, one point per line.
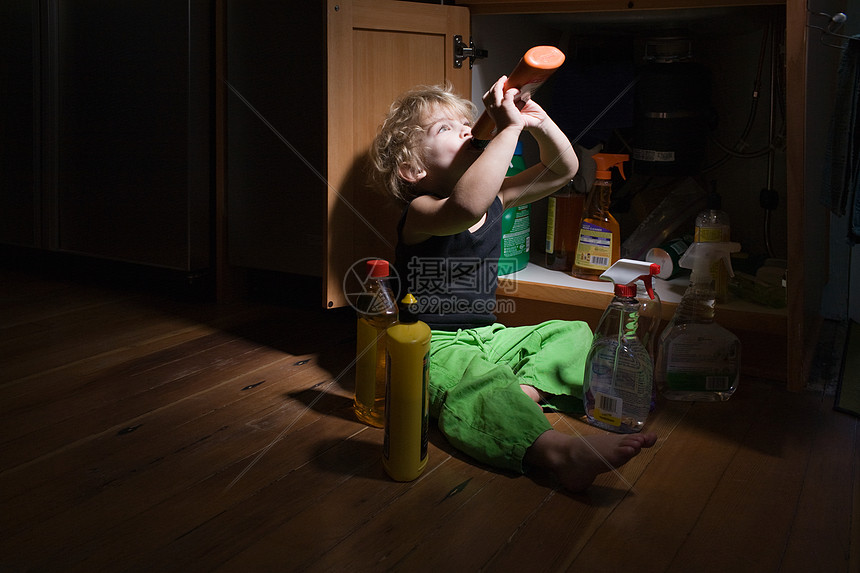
x=599, y=242
x=564, y=215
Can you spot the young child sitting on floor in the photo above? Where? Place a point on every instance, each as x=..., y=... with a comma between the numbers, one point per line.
x=487, y=382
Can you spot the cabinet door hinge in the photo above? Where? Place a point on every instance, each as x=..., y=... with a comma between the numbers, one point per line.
x=462, y=51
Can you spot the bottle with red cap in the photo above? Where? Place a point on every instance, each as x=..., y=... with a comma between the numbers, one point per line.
x=618, y=381
x=377, y=310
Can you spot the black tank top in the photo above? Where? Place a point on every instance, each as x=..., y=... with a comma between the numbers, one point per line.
x=454, y=277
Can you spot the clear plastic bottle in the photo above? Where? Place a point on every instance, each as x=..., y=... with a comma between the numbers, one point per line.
x=650, y=316
x=698, y=359
x=713, y=225
x=617, y=389
x=377, y=310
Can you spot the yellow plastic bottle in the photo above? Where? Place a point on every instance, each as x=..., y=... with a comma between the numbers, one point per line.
x=599, y=242
x=378, y=311
x=407, y=402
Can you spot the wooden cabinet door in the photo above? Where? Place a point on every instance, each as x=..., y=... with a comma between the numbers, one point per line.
x=376, y=50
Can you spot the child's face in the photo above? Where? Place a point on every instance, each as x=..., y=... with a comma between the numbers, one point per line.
x=447, y=147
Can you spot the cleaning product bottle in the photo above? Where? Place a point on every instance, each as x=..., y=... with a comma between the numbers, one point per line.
x=516, y=226
x=650, y=317
x=712, y=225
x=667, y=256
x=530, y=73
x=698, y=359
x=377, y=310
x=617, y=387
x=563, y=217
x=599, y=242
x=407, y=403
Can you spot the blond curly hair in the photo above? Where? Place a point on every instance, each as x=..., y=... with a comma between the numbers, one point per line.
x=398, y=140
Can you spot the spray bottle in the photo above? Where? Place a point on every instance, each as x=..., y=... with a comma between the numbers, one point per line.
x=650, y=318
x=599, y=243
x=617, y=387
x=699, y=359
x=377, y=310
x=407, y=402
x=535, y=67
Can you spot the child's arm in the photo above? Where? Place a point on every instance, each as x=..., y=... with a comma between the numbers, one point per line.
x=472, y=192
x=558, y=162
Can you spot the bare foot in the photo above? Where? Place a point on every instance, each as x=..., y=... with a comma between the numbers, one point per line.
x=577, y=461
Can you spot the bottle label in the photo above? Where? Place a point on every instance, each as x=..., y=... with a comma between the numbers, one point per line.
x=696, y=365
x=550, y=225
x=607, y=409
x=403, y=427
x=653, y=155
x=710, y=234
x=594, y=249
x=619, y=379
x=680, y=381
x=515, y=240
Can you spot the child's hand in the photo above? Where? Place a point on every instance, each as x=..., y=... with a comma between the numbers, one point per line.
x=502, y=107
x=506, y=108
x=533, y=115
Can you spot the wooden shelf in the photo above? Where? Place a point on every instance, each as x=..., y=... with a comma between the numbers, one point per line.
x=536, y=283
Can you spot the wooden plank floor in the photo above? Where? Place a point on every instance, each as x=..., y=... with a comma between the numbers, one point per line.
x=142, y=432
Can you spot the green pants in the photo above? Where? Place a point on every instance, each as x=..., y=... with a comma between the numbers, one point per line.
x=475, y=377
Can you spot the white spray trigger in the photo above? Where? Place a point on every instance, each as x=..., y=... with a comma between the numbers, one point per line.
x=700, y=256
x=628, y=271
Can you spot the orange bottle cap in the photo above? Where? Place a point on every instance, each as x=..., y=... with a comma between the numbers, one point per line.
x=544, y=57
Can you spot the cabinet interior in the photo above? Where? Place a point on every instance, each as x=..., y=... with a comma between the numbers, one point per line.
x=735, y=46
x=743, y=50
